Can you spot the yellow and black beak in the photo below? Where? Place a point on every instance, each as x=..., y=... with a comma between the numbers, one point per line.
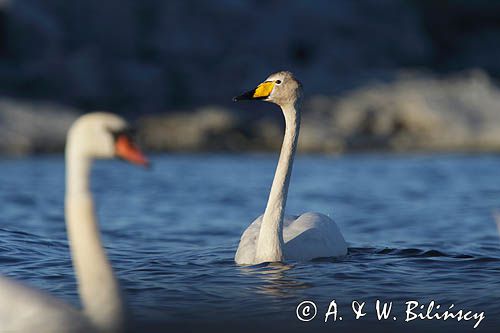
x=260, y=93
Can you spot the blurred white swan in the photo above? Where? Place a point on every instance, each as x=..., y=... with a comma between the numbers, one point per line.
x=272, y=236
x=24, y=309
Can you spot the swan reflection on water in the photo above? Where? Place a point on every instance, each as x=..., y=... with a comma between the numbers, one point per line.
x=274, y=279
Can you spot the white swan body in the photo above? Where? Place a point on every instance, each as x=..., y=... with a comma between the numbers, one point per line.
x=272, y=237
x=24, y=309
x=308, y=236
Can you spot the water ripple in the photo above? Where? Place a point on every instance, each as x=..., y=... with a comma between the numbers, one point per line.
x=419, y=227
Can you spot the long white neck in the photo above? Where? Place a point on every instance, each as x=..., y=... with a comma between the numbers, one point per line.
x=270, y=243
x=97, y=285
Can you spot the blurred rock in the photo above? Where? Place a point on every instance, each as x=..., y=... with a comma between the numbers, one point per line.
x=208, y=128
x=415, y=112
x=27, y=128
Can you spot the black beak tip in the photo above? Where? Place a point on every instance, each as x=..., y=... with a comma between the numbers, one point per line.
x=245, y=96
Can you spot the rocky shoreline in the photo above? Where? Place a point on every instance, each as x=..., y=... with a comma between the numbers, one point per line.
x=412, y=112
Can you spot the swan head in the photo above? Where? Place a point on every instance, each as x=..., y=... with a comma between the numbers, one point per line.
x=102, y=135
x=280, y=88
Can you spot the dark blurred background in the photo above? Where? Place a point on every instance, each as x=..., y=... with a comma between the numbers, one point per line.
x=398, y=75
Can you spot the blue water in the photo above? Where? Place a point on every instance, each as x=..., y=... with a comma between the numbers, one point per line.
x=419, y=227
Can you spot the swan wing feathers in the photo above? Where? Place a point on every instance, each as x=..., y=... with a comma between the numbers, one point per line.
x=24, y=309
x=245, y=254
x=312, y=235
x=308, y=236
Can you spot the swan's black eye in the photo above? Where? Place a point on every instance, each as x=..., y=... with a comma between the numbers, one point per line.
x=278, y=81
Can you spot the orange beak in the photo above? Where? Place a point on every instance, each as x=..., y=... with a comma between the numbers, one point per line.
x=127, y=150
